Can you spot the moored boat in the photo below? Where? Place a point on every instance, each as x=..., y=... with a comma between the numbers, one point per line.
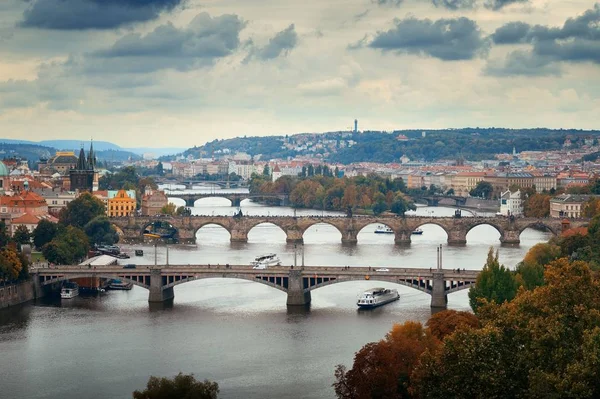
x=377, y=297
x=383, y=230
x=119, y=285
x=417, y=231
x=69, y=290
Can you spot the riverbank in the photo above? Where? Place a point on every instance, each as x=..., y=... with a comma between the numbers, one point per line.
x=16, y=294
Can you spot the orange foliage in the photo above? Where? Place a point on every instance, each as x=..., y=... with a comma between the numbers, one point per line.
x=574, y=231
x=445, y=323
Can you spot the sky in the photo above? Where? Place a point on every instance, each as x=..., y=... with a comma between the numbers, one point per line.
x=179, y=73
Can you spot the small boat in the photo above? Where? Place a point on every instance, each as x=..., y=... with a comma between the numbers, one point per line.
x=264, y=261
x=417, y=231
x=383, y=230
x=119, y=285
x=70, y=290
x=377, y=297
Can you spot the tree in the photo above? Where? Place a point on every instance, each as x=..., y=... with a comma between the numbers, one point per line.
x=450, y=192
x=379, y=208
x=444, y=323
x=181, y=386
x=68, y=247
x=22, y=235
x=401, y=205
x=537, y=206
x=266, y=170
x=10, y=264
x=183, y=211
x=159, y=169
x=81, y=211
x=100, y=231
x=383, y=369
x=168, y=209
x=495, y=283
x=483, y=189
x=44, y=233
x=4, y=235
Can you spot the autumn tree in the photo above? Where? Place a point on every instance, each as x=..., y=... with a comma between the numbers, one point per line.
x=168, y=209
x=495, y=283
x=543, y=344
x=10, y=264
x=537, y=206
x=383, y=369
x=444, y=323
x=181, y=386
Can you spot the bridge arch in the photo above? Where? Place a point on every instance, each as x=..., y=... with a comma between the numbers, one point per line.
x=199, y=226
x=100, y=275
x=536, y=225
x=193, y=200
x=161, y=226
x=316, y=222
x=267, y=223
x=377, y=223
x=424, y=287
x=485, y=221
x=239, y=277
x=435, y=223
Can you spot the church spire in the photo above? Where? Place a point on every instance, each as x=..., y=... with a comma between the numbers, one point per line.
x=81, y=162
x=91, y=161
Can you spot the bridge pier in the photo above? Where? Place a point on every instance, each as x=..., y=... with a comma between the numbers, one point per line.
x=439, y=298
x=510, y=237
x=350, y=237
x=157, y=293
x=190, y=202
x=294, y=236
x=296, y=296
x=236, y=201
x=457, y=237
x=239, y=236
x=403, y=237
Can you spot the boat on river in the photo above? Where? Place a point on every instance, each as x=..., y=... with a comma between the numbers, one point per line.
x=383, y=230
x=69, y=290
x=116, y=284
x=264, y=261
x=377, y=297
x=417, y=231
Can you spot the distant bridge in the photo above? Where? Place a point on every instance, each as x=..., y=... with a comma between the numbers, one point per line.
x=436, y=200
x=296, y=282
x=190, y=183
x=235, y=198
x=132, y=228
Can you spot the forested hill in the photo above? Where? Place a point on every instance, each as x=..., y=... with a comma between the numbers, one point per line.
x=374, y=146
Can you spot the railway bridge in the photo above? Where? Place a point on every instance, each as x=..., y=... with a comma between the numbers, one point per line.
x=296, y=282
x=132, y=228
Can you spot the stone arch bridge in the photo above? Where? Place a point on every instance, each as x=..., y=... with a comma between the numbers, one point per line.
x=349, y=227
x=235, y=198
x=297, y=283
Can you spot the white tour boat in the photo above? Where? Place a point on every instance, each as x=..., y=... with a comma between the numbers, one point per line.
x=377, y=297
x=417, y=231
x=70, y=290
x=383, y=230
x=264, y=261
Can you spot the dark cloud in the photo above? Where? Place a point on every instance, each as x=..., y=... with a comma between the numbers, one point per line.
x=446, y=39
x=282, y=43
x=511, y=33
x=454, y=4
x=394, y=3
x=92, y=14
x=578, y=40
x=499, y=4
x=201, y=43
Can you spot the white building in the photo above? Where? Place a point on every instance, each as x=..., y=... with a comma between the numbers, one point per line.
x=511, y=203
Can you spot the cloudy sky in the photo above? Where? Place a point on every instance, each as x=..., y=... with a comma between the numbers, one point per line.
x=183, y=72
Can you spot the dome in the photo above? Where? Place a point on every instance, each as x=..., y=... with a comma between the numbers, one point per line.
x=3, y=170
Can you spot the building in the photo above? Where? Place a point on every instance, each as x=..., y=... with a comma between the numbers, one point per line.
x=153, y=202
x=568, y=205
x=29, y=221
x=276, y=174
x=56, y=200
x=464, y=182
x=25, y=202
x=4, y=177
x=62, y=162
x=544, y=182
x=511, y=203
x=83, y=177
x=120, y=205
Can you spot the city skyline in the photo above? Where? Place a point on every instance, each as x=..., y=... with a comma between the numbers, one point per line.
x=142, y=73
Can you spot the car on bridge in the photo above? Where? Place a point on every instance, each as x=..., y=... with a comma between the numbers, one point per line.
x=129, y=266
x=383, y=269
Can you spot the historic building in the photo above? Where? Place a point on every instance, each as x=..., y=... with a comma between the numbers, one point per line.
x=83, y=177
x=511, y=203
x=62, y=162
x=568, y=205
x=152, y=202
x=120, y=205
x=4, y=178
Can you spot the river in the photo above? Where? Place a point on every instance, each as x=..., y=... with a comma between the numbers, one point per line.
x=235, y=332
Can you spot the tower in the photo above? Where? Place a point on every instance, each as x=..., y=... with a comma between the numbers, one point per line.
x=356, y=126
x=82, y=176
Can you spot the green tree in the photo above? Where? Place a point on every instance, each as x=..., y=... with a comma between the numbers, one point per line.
x=266, y=170
x=160, y=169
x=495, y=283
x=100, y=231
x=379, y=208
x=22, y=235
x=81, y=211
x=44, y=232
x=4, y=235
x=401, y=205
x=183, y=211
x=181, y=386
x=69, y=247
x=483, y=189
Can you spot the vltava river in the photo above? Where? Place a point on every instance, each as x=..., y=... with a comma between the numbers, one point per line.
x=237, y=333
